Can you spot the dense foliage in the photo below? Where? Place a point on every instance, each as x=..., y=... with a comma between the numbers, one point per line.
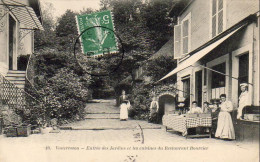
x=63, y=86
x=142, y=92
x=142, y=26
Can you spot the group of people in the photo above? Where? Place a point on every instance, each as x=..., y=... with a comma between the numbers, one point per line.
x=225, y=128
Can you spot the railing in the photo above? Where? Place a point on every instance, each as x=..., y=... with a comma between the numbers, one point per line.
x=29, y=83
x=23, y=104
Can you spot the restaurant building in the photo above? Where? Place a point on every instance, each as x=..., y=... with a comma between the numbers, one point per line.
x=216, y=45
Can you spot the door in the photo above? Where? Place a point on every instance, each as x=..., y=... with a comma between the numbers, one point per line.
x=243, y=70
x=12, y=42
x=198, y=87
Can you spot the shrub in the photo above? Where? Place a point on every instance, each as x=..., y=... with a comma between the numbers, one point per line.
x=64, y=87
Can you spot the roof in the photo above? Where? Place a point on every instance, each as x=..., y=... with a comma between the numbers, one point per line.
x=165, y=50
x=24, y=14
x=35, y=4
x=179, y=6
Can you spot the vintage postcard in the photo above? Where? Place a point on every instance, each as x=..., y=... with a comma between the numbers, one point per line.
x=129, y=80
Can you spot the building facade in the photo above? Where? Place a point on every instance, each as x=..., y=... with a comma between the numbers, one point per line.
x=216, y=43
x=18, y=20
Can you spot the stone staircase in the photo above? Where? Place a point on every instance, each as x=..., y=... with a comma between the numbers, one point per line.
x=16, y=77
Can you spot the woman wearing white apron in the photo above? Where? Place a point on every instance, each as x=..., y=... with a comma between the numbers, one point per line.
x=124, y=110
x=244, y=99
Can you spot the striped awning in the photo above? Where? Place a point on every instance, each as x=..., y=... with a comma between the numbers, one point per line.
x=24, y=14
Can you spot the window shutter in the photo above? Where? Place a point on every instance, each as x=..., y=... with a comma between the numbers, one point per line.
x=185, y=37
x=177, y=41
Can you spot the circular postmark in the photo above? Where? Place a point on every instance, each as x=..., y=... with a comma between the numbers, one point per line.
x=112, y=60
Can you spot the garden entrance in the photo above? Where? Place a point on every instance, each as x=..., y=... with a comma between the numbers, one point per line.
x=166, y=105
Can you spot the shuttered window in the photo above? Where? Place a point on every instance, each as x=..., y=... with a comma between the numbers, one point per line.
x=177, y=41
x=182, y=37
x=217, y=17
x=185, y=36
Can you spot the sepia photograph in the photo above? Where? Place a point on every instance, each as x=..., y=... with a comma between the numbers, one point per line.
x=129, y=80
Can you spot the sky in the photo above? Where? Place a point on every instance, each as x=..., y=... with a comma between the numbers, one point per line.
x=61, y=6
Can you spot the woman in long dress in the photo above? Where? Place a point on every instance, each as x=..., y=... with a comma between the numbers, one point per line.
x=225, y=128
x=124, y=110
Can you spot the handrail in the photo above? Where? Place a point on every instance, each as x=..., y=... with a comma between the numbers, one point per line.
x=29, y=79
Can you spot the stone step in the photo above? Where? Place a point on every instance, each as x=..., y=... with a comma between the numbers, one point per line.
x=15, y=78
x=16, y=72
x=15, y=75
x=102, y=116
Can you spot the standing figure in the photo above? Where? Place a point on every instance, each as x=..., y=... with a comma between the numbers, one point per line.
x=225, y=128
x=154, y=106
x=153, y=110
x=244, y=99
x=124, y=110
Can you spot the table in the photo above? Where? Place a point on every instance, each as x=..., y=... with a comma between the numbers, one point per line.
x=182, y=124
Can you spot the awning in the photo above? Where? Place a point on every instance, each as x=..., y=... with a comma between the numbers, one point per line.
x=24, y=14
x=198, y=55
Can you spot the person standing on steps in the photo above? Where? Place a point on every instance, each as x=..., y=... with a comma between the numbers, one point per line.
x=124, y=110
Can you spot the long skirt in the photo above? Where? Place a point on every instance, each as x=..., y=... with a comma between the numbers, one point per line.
x=225, y=128
x=123, y=112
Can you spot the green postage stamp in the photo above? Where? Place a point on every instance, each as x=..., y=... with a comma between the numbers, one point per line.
x=98, y=37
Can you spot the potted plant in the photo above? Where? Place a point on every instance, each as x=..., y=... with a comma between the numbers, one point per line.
x=23, y=130
x=43, y=126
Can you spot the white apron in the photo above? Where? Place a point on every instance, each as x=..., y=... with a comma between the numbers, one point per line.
x=124, y=111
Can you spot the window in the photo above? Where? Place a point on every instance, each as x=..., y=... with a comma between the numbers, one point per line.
x=182, y=36
x=186, y=87
x=217, y=17
x=185, y=34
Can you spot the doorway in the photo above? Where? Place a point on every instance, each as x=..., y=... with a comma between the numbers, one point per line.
x=12, y=42
x=198, y=87
x=243, y=70
x=166, y=106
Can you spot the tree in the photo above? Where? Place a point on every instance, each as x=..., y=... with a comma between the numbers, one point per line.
x=45, y=38
x=156, y=17
x=67, y=24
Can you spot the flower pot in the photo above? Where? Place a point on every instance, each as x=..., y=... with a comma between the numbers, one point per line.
x=45, y=130
x=11, y=132
x=23, y=131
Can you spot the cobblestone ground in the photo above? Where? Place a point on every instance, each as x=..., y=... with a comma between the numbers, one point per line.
x=107, y=139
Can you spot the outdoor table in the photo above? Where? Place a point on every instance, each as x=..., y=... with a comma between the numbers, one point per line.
x=182, y=124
